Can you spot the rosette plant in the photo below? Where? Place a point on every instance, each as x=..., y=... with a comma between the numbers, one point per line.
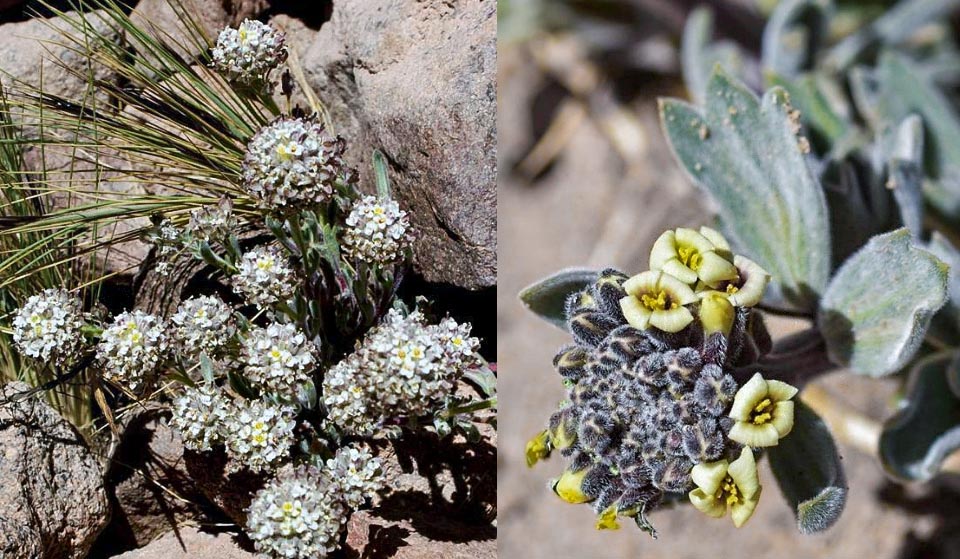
x=831, y=161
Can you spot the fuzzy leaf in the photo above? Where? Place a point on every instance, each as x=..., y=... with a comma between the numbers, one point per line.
x=877, y=307
x=821, y=103
x=380, y=172
x=699, y=56
x=915, y=441
x=944, y=250
x=546, y=298
x=745, y=153
x=793, y=36
x=904, y=158
x=809, y=472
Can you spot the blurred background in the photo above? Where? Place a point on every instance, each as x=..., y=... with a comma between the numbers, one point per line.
x=586, y=179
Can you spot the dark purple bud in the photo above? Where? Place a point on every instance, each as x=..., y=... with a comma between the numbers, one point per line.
x=570, y=362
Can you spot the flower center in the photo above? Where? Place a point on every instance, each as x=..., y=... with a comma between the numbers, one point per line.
x=265, y=264
x=690, y=257
x=659, y=303
x=731, y=289
x=728, y=492
x=762, y=413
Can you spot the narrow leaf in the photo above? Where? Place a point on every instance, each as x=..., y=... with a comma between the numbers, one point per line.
x=877, y=308
x=794, y=35
x=380, y=171
x=809, y=472
x=699, y=56
x=747, y=155
x=546, y=297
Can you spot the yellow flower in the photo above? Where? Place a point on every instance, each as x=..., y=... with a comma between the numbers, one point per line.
x=538, y=448
x=747, y=289
x=716, y=312
x=689, y=256
x=656, y=299
x=763, y=412
x=723, y=486
x=569, y=487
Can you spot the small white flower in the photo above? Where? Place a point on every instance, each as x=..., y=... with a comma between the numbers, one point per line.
x=292, y=162
x=258, y=435
x=378, y=231
x=131, y=348
x=358, y=473
x=300, y=514
x=246, y=55
x=278, y=358
x=403, y=368
x=202, y=325
x=264, y=278
x=47, y=327
x=212, y=223
x=168, y=240
x=199, y=414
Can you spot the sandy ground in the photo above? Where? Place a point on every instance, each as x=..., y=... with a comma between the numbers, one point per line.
x=591, y=210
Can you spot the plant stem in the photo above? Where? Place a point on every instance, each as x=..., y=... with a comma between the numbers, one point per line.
x=796, y=359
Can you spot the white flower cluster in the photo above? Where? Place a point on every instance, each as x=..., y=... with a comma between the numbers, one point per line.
x=199, y=415
x=201, y=325
x=258, y=434
x=168, y=240
x=292, y=162
x=358, y=473
x=264, y=278
x=131, y=348
x=47, y=327
x=298, y=515
x=212, y=223
x=403, y=368
x=246, y=55
x=378, y=231
x=278, y=358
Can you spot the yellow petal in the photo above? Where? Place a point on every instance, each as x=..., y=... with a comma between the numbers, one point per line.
x=636, y=314
x=743, y=470
x=754, y=435
x=672, y=320
x=716, y=313
x=742, y=511
x=679, y=292
x=608, y=519
x=709, y=475
x=783, y=418
x=690, y=238
x=715, y=269
x=780, y=390
x=751, y=292
x=568, y=487
x=714, y=236
x=706, y=504
x=749, y=395
x=644, y=282
x=537, y=449
x=664, y=248
x=680, y=271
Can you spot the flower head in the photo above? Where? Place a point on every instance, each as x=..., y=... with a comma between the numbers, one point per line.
x=300, y=514
x=691, y=256
x=358, y=473
x=723, y=486
x=378, y=231
x=201, y=325
x=246, y=55
x=212, y=223
x=131, y=348
x=47, y=327
x=292, y=162
x=198, y=414
x=278, y=358
x=258, y=434
x=264, y=278
x=763, y=412
x=657, y=299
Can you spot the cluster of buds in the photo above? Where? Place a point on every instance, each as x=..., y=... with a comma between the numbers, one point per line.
x=248, y=54
x=403, y=368
x=292, y=162
x=48, y=327
x=378, y=231
x=212, y=223
x=653, y=409
x=303, y=511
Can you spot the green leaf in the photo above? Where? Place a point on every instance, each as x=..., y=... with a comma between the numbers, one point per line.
x=903, y=147
x=877, y=307
x=794, y=35
x=821, y=103
x=548, y=296
x=944, y=250
x=699, y=56
x=380, y=172
x=745, y=153
x=915, y=441
x=809, y=472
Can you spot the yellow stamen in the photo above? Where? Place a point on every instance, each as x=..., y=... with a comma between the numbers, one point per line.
x=690, y=257
x=658, y=303
x=760, y=415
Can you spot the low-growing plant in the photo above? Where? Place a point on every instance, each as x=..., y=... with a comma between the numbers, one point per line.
x=830, y=160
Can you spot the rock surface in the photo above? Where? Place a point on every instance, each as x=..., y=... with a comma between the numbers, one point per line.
x=416, y=80
x=190, y=543
x=164, y=22
x=52, y=500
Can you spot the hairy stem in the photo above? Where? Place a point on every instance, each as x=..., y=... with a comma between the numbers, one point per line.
x=796, y=359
